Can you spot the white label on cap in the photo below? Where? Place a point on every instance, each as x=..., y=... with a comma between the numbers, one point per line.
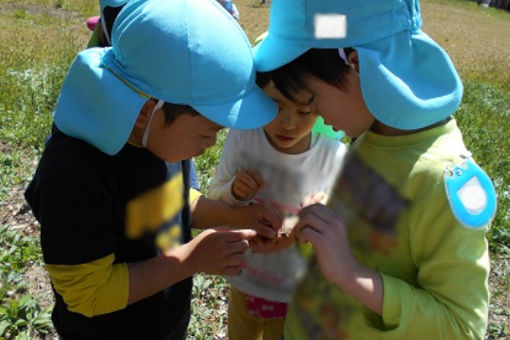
x=330, y=26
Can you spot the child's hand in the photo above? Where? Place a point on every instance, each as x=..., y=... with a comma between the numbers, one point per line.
x=264, y=245
x=265, y=219
x=285, y=237
x=318, y=197
x=325, y=230
x=246, y=184
x=328, y=234
x=219, y=251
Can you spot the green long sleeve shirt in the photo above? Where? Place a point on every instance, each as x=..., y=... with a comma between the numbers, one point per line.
x=392, y=196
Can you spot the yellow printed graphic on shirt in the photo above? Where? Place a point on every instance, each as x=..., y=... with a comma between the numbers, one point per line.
x=146, y=213
x=170, y=238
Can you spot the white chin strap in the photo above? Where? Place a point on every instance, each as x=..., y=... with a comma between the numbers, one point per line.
x=105, y=30
x=145, y=137
x=342, y=55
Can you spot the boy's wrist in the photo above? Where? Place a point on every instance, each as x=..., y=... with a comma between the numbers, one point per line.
x=235, y=216
x=362, y=283
x=185, y=255
x=349, y=273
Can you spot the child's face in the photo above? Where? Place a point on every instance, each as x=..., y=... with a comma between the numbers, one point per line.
x=343, y=109
x=289, y=132
x=187, y=136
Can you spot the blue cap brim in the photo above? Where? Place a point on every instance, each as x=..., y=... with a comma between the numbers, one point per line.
x=271, y=53
x=96, y=106
x=408, y=81
x=253, y=110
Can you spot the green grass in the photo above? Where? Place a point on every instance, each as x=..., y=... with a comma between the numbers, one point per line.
x=483, y=119
x=24, y=319
x=21, y=315
x=40, y=38
x=206, y=163
x=38, y=45
x=209, y=317
x=474, y=38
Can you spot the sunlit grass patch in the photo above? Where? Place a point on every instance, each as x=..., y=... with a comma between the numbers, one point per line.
x=37, y=49
x=484, y=118
x=475, y=37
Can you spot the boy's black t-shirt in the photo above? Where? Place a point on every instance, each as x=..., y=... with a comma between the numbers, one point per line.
x=80, y=196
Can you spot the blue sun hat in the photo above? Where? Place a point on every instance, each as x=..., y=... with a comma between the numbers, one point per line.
x=408, y=81
x=185, y=52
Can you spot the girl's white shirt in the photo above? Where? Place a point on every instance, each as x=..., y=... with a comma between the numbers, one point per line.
x=288, y=179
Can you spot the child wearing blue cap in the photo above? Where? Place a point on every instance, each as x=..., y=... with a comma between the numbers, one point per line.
x=400, y=249
x=101, y=38
x=284, y=164
x=111, y=189
x=109, y=9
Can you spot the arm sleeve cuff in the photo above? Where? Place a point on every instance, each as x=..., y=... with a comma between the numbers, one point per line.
x=94, y=288
x=194, y=194
x=392, y=311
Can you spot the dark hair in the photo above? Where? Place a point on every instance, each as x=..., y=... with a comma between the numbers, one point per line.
x=172, y=111
x=323, y=64
x=109, y=16
x=348, y=51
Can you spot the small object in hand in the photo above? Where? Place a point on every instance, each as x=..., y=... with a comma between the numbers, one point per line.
x=288, y=226
x=283, y=234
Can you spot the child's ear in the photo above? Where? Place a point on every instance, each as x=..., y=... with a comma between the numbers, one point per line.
x=145, y=113
x=353, y=59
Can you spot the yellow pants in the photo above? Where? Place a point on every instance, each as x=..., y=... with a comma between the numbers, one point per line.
x=243, y=326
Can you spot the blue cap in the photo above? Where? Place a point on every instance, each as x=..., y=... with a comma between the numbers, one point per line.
x=408, y=81
x=181, y=51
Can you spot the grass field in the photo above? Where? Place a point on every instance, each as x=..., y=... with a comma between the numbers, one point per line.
x=39, y=39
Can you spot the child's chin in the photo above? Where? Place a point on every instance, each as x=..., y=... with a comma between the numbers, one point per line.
x=199, y=153
x=285, y=145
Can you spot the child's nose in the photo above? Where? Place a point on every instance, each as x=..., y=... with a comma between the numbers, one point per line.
x=287, y=121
